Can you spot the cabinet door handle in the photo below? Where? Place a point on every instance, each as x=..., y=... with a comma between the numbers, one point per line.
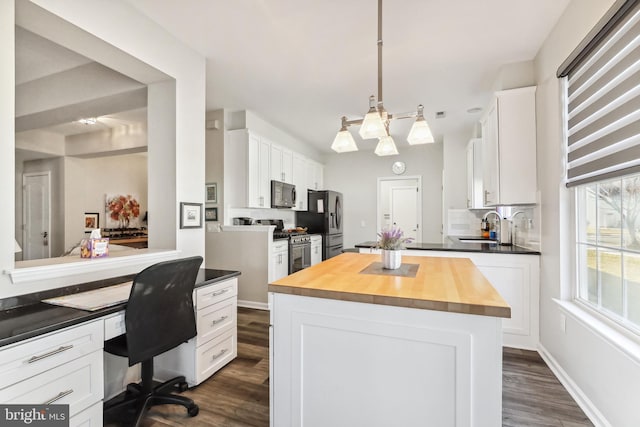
x=222, y=319
x=58, y=397
x=217, y=356
x=215, y=294
x=51, y=353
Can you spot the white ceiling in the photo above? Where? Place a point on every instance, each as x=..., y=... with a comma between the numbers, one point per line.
x=301, y=65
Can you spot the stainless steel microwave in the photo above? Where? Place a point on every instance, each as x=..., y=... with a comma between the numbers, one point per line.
x=283, y=195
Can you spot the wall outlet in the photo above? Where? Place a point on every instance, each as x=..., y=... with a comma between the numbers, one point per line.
x=363, y=224
x=563, y=323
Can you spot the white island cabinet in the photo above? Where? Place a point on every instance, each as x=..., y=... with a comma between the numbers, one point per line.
x=344, y=353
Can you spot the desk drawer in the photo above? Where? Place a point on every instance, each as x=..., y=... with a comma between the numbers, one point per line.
x=216, y=318
x=211, y=294
x=91, y=417
x=28, y=358
x=77, y=383
x=114, y=326
x=215, y=354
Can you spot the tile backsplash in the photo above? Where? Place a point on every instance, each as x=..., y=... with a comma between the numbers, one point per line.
x=526, y=225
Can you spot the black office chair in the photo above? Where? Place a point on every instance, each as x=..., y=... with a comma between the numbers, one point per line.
x=159, y=316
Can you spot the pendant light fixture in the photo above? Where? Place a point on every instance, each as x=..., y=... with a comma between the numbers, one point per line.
x=375, y=123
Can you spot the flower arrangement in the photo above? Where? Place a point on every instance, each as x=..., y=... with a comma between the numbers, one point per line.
x=392, y=238
x=123, y=209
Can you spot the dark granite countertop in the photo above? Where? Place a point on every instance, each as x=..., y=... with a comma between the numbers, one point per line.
x=455, y=245
x=24, y=316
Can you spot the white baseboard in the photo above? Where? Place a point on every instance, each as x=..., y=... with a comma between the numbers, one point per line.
x=578, y=395
x=253, y=304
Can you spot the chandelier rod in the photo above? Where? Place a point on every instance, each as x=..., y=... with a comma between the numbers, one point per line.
x=379, y=52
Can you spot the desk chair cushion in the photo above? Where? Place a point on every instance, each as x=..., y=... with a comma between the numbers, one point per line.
x=160, y=313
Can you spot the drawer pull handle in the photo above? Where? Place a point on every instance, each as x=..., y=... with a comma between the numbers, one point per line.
x=217, y=356
x=215, y=294
x=222, y=319
x=51, y=353
x=58, y=396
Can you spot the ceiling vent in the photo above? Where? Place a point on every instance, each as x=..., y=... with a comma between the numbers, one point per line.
x=441, y=114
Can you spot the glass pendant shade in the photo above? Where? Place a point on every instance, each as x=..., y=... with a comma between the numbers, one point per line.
x=372, y=125
x=386, y=146
x=420, y=133
x=344, y=142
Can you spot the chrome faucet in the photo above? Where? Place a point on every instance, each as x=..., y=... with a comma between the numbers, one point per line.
x=513, y=223
x=489, y=213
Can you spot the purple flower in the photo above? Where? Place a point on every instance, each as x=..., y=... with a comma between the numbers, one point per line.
x=392, y=239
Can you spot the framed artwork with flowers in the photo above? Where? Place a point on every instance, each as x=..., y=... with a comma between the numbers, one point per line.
x=122, y=211
x=91, y=221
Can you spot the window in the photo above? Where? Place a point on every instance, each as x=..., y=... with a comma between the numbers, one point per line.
x=608, y=248
x=602, y=124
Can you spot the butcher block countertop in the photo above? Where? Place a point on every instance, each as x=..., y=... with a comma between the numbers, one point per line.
x=444, y=284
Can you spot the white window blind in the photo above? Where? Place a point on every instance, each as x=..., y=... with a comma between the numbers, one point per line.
x=603, y=100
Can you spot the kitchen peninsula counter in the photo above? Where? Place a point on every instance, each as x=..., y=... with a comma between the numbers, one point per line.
x=454, y=244
x=421, y=345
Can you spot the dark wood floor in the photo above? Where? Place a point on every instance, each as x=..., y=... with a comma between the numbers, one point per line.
x=238, y=395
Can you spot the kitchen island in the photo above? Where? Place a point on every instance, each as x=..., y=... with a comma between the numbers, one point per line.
x=352, y=344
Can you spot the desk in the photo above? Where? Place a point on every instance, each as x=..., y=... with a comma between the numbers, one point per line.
x=50, y=352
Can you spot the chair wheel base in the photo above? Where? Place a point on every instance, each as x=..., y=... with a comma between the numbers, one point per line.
x=182, y=386
x=193, y=410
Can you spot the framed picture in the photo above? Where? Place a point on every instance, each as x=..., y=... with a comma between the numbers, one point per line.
x=91, y=221
x=211, y=214
x=211, y=193
x=190, y=215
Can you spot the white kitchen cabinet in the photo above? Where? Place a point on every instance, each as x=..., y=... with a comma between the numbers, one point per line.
x=216, y=343
x=509, y=148
x=315, y=175
x=316, y=249
x=281, y=164
x=279, y=260
x=343, y=363
x=475, y=199
x=300, y=181
x=62, y=367
x=259, y=190
x=247, y=179
x=516, y=278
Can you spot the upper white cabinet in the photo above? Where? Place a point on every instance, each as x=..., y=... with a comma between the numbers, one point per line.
x=300, y=181
x=247, y=179
x=281, y=164
x=475, y=199
x=259, y=189
x=509, y=148
x=315, y=172
x=252, y=161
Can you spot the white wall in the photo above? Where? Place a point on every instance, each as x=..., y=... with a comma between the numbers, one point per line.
x=87, y=181
x=608, y=380
x=120, y=37
x=356, y=175
x=214, y=171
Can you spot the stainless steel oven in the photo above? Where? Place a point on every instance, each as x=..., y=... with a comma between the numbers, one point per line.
x=299, y=252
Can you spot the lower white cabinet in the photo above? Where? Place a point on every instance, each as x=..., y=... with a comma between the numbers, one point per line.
x=216, y=342
x=62, y=367
x=279, y=260
x=316, y=249
x=517, y=279
x=341, y=363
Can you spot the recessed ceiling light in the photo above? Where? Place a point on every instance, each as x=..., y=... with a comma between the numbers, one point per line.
x=474, y=110
x=88, y=121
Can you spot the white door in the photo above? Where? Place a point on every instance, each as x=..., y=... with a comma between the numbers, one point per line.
x=36, y=215
x=404, y=210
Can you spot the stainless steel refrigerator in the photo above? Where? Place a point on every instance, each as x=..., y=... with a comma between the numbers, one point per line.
x=324, y=216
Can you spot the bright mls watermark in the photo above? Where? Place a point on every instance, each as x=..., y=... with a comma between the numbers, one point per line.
x=34, y=415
